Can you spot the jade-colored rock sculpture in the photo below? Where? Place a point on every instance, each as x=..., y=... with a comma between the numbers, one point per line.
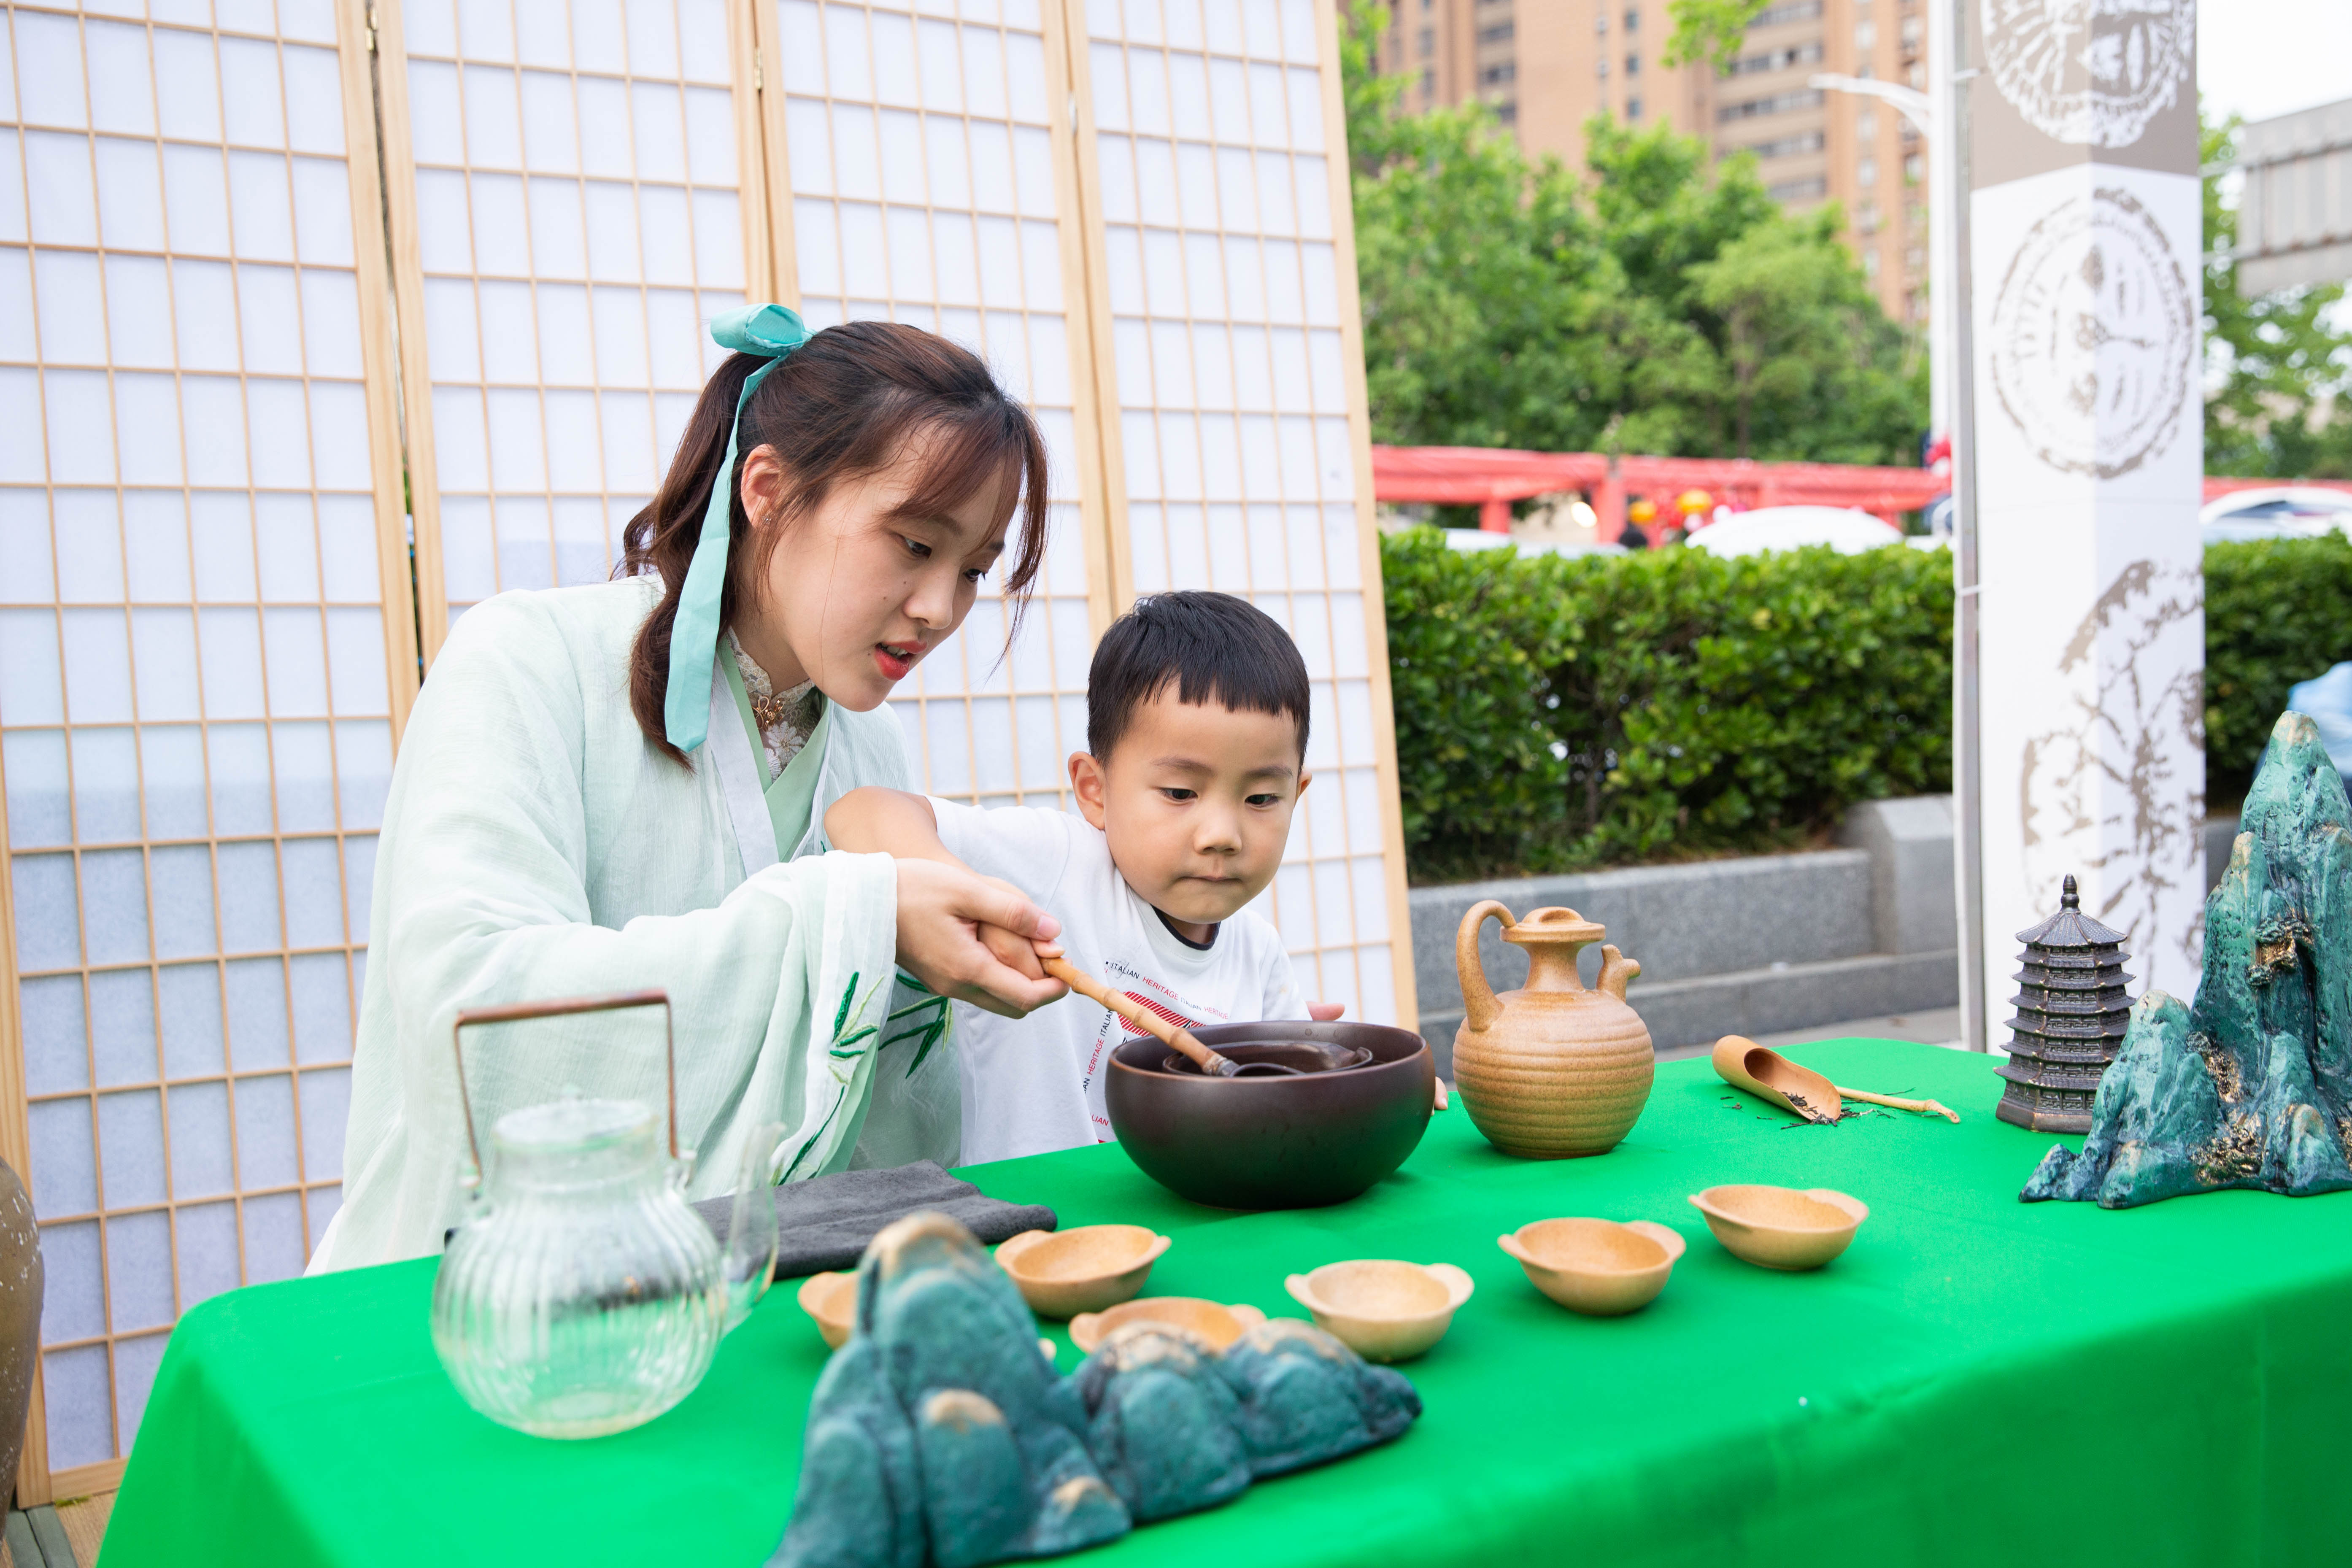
x=2251, y=1085
x=940, y=1437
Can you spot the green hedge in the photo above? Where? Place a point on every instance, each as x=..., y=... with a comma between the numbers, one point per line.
x=1555, y=714
x=2277, y=611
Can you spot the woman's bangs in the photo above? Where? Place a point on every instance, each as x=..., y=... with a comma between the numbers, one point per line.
x=952, y=453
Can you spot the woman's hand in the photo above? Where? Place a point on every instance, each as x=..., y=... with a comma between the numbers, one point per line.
x=1325, y=1012
x=942, y=909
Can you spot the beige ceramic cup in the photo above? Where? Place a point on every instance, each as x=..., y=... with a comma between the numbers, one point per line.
x=1063, y=1273
x=1596, y=1266
x=1380, y=1309
x=1781, y=1227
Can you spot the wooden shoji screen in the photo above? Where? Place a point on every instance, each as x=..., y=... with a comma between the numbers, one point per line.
x=931, y=178
x=1227, y=280
x=206, y=648
x=913, y=160
x=1136, y=212
x=567, y=211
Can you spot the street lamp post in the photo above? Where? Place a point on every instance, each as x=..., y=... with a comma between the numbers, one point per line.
x=1936, y=114
x=1952, y=318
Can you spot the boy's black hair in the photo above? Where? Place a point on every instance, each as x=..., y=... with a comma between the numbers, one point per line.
x=1213, y=646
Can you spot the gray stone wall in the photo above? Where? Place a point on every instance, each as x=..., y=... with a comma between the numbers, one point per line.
x=1754, y=945
x=1751, y=945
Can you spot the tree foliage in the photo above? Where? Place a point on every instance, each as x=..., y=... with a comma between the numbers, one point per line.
x=1709, y=30
x=2278, y=369
x=1808, y=355
x=1643, y=304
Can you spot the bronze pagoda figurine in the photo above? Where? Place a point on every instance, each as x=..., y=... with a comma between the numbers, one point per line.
x=2071, y=1017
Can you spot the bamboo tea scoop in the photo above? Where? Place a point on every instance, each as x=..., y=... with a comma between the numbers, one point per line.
x=1770, y=1076
x=1173, y=1036
x=1930, y=1106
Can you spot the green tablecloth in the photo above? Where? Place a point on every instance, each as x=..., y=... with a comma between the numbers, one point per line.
x=1976, y=1380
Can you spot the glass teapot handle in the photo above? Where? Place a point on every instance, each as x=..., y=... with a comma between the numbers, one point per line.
x=515, y=1012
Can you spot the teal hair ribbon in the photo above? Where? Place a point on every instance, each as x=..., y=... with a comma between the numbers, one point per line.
x=771, y=331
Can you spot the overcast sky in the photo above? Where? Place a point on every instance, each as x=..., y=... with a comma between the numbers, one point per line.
x=2264, y=58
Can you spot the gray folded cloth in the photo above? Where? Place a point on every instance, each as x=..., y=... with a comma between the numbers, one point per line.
x=825, y=1222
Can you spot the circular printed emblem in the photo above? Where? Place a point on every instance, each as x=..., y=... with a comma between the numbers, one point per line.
x=2093, y=337
x=2089, y=71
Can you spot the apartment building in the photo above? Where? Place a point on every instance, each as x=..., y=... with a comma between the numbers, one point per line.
x=1545, y=67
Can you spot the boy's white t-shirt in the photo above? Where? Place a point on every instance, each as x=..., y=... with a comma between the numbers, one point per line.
x=1033, y=1085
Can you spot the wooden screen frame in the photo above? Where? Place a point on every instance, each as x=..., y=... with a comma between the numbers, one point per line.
x=1083, y=171
x=390, y=93
x=767, y=260
x=1101, y=481
x=355, y=43
x=771, y=270
x=1367, y=536
x=1085, y=168
x=1087, y=486
x=1095, y=451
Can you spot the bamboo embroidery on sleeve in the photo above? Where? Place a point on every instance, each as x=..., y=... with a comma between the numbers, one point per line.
x=927, y=1029
x=848, y=1044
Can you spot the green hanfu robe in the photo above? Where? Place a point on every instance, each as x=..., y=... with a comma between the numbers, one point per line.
x=535, y=845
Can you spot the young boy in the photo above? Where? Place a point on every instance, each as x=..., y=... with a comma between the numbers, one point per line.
x=1195, y=759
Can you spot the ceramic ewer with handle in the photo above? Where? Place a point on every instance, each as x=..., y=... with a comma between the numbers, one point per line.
x=1554, y=1069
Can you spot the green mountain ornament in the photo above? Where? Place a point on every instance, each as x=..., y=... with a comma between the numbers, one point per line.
x=940, y=1437
x=2251, y=1086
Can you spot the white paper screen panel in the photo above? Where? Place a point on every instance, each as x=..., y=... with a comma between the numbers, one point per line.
x=921, y=139
x=579, y=222
x=195, y=717
x=1233, y=420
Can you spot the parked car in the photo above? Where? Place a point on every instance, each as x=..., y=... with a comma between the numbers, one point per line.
x=2276, y=511
x=1843, y=529
x=2326, y=701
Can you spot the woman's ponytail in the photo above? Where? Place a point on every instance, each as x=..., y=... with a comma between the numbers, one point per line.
x=659, y=540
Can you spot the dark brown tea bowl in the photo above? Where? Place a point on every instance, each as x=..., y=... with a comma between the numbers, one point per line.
x=1273, y=1142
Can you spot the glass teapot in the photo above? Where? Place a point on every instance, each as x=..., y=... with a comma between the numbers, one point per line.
x=581, y=1295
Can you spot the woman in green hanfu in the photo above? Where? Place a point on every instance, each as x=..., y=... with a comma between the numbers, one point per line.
x=624, y=785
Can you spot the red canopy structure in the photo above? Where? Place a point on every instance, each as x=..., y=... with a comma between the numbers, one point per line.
x=2217, y=488
x=1491, y=478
